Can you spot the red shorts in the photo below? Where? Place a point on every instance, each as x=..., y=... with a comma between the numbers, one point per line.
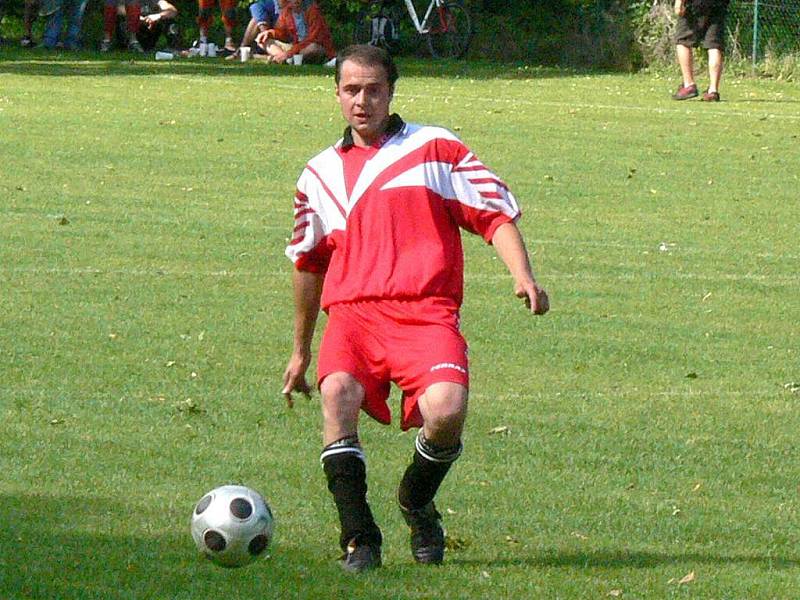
x=413, y=344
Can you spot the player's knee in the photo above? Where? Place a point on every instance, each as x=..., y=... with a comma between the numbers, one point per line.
x=341, y=389
x=444, y=409
x=229, y=15
x=204, y=14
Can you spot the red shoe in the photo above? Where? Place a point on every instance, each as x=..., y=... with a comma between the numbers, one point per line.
x=711, y=97
x=685, y=92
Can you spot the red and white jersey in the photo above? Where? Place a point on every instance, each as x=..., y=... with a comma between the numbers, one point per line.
x=383, y=222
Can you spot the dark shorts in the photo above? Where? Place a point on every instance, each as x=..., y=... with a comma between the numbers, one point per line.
x=411, y=344
x=704, y=27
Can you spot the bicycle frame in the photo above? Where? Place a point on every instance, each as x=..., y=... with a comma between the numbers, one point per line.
x=445, y=26
x=422, y=27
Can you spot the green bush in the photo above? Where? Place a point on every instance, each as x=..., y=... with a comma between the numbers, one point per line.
x=653, y=25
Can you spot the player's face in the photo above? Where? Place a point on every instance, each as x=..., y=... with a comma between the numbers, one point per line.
x=364, y=94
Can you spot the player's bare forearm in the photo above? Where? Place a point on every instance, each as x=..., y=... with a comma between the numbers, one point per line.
x=507, y=241
x=510, y=247
x=307, y=292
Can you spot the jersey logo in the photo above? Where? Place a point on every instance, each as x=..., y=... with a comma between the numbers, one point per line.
x=447, y=365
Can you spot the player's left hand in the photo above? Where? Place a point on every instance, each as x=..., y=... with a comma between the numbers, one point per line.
x=535, y=297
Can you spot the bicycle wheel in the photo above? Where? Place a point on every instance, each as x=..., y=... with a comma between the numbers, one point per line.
x=450, y=32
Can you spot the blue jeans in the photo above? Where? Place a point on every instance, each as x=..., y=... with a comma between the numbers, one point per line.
x=73, y=11
x=265, y=11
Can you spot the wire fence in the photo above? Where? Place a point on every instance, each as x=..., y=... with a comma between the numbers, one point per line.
x=759, y=28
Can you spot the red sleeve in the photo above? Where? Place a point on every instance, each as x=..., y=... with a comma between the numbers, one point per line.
x=317, y=259
x=284, y=29
x=480, y=222
x=484, y=200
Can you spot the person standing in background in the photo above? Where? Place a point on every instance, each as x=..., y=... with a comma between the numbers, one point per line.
x=700, y=23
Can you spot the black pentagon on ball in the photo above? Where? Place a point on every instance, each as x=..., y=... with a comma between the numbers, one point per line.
x=214, y=540
x=241, y=508
x=258, y=544
x=203, y=504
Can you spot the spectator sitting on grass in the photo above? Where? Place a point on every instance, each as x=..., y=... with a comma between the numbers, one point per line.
x=301, y=29
x=263, y=16
x=158, y=18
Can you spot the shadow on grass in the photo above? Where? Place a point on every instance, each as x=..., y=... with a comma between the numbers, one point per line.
x=53, y=547
x=620, y=559
x=42, y=63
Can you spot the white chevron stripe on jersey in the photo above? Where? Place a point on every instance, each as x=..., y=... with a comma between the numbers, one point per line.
x=476, y=189
x=416, y=137
x=432, y=175
x=329, y=171
x=328, y=165
x=321, y=197
x=484, y=196
x=316, y=214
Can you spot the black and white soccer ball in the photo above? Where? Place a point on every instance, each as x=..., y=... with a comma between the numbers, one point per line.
x=232, y=525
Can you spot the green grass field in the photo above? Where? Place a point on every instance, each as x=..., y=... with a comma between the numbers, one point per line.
x=640, y=441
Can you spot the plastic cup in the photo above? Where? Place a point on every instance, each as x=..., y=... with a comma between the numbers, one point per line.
x=244, y=53
x=164, y=56
x=212, y=50
x=297, y=59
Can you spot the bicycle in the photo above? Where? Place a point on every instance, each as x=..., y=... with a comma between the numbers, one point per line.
x=446, y=26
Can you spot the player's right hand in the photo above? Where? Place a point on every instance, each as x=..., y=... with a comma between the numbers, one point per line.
x=680, y=7
x=294, y=379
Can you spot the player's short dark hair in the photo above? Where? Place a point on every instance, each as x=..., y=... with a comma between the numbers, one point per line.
x=369, y=56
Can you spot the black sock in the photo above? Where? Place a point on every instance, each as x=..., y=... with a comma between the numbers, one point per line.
x=343, y=463
x=426, y=472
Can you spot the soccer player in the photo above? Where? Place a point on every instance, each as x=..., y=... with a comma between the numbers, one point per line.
x=377, y=245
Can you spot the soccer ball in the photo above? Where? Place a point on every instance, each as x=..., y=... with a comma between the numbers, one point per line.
x=232, y=525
